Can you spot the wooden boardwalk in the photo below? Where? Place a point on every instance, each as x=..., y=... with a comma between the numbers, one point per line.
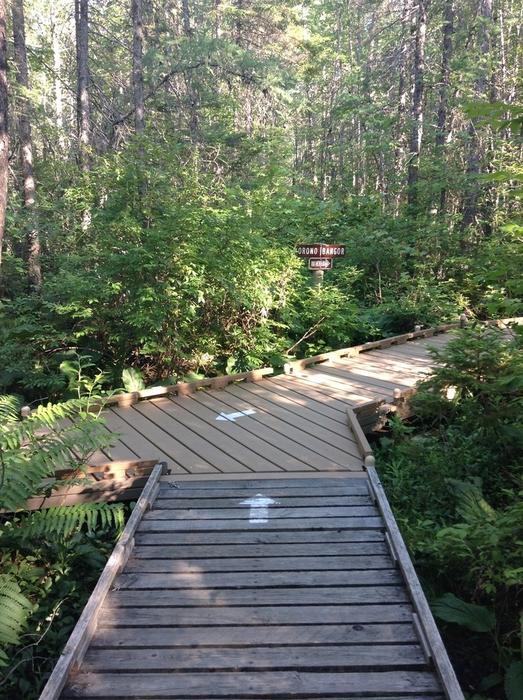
x=291, y=423
x=222, y=600
x=241, y=577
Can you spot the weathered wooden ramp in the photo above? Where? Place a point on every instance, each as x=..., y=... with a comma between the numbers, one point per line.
x=286, y=588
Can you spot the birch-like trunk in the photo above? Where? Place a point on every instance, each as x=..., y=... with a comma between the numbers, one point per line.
x=470, y=204
x=32, y=239
x=138, y=93
x=83, y=103
x=446, y=55
x=416, y=135
x=4, y=137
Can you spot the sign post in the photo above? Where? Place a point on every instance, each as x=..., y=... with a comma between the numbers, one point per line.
x=320, y=257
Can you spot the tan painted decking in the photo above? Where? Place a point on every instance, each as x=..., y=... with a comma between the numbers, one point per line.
x=299, y=422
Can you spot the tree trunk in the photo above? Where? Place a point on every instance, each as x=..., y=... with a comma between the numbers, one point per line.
x=186, y=18
x=4, y=138
x=446, y=55
x=470, y=204
x=83, y=106
x=57, y=67
x=192, y=95
x=32, y=240
x=401, y=145
x=416, y=136
x=138, y=98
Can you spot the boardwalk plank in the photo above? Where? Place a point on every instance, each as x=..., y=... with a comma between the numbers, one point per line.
x=330, y=563
x=257, y=579
x=204, y=422
x=364, y=523
x=328, y=379
x=260, y=537
x=276, y=511
x=303, y=635
x=163, y=551
x=304, y=409
x=281, y=386
x=338, y=400
x=289, y=684
x=255, y=658
x=209, y=406
x=251, y=615
x=349, y=595
x=283, y=502
x=170, y=488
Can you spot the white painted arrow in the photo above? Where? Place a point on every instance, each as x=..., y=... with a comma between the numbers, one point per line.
x=233, y=416
x=259, y=512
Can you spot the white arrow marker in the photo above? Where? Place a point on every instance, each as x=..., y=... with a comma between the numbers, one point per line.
x=233, y=416
x=259, y=512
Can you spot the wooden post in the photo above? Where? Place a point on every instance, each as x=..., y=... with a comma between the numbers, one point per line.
x=317, y=278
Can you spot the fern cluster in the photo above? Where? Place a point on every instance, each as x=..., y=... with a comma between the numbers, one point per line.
x=15, y=609
x=53, y=438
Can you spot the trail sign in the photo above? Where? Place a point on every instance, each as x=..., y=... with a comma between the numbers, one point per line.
x=320, y=263
x=320, y=250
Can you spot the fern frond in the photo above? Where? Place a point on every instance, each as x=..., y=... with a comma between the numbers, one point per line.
x=15, y=608
x=62, y=521
x=471, y=504
x=10, y=406
x=55, y=437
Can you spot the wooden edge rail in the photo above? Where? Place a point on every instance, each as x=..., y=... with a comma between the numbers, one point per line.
x=76, y=646
x=361, y=439
x=354, y=350
x=424, y=622
x=186, y=388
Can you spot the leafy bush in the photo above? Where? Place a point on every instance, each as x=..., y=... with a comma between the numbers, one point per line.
x=455, y=480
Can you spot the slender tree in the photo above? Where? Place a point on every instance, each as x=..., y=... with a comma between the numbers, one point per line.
x=418, y=67
x=138, y=95
x=83, y=102
x=446, y=55
x=470, y=204
x=32, y=240
x=4, y=138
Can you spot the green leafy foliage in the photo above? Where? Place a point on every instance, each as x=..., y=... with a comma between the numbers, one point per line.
x=514, y=681
x=49, y=558
x=52, y=437
x=474, y=617
x=132, y=379
x=455, y=480
x=15, y=609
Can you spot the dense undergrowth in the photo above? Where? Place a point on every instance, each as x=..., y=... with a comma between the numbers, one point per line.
x=49, y=559
x=454, y=477
x=180, y=274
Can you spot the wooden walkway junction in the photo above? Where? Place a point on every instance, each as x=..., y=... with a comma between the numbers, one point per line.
x=262, y=559
x=293, y=423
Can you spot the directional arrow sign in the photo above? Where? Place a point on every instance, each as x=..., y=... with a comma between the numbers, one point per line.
x=259, y=512
x=234, y=416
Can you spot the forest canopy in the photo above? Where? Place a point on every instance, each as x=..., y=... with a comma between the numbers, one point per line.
x=163, y=159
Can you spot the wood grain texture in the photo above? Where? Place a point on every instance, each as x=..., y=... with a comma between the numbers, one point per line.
x=288, y=684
